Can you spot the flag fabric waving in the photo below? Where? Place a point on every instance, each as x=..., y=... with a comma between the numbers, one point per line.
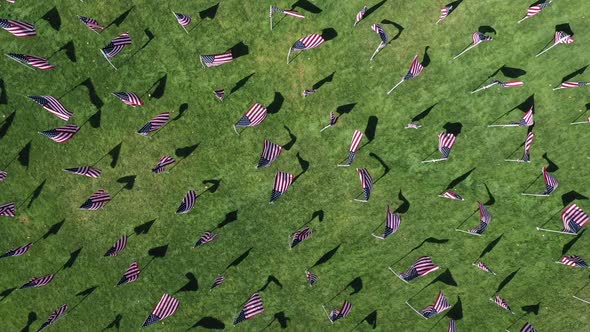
x=509, y=84
x=416, y=69
x=308, y=92
x=575, y=261
x=253, y=307
x=308, y=42
x=561, y=37
x=129, y=98
x=253, y=116
x=420, y=268
x=451, y=195
x=359, y=16
x=526, y=157
x=162, y=163
x=392, y=222
x=536, y=9
x=293, y=13
x=205, y=238
x=300, y=236
x=311, y=278
x=574, y=219
x=96, y=200
x=219, y=94
x=355, y=142
x=117, y=247
x=382, y=34
x=502, y=303
x=18, y=251
x=3, y=175
x=38, y=282
x=218, y=281
x=8, y=209
x=528, y=328
x=131, y=275
x=566, y=85
x=91, y=23
x=551, y=183
x=282, y=182
x=479, y=37
x=188, y=202
x=483, y=267
x=53, y=105
x=89, y=171
x=31, y=60
x=527, y=119
x=53, y=317
x=452, y=326
x=116, y=45
x=485, y=218
x=61, y=134
x=366, y=182
x=445, y=144
x=333, y=119
x=444, y=12
x=214, y=60
x=344, y=310
x=440, y=304
x=154, y=124
x=17, y=28
x=165, y=308
x=270, y=152
x=182, y=19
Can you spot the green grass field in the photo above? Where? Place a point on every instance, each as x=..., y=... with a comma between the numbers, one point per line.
x=538, y=290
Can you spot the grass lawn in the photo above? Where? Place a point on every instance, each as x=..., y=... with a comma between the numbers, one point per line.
x=252, y=249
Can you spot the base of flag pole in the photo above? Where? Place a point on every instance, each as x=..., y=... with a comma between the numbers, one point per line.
x=434, y=160
x=536, y=195
x=577, y=123
x=557, y=88
x=397, y=275
x=554, y=231
x=466, y=232
x=327, y=314
x=378, y=236
x=108, y=60
x=577, y=298
x=416, y=311
x=236, y=130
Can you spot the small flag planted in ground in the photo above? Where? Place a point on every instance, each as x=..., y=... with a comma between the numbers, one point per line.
x=311, y=278
x=154, y=124
x=53, y=317
x=117, y=247
x=270, y=152
x=526, y=157
x=357, y=137
x=337, y=314
x=205, y=238
x=38, y=282
x=306, y=43
x=253, y=117
x=308, y=92
x=535, y=9
x=282, y=182
x=483, y=267
x=218, y=281
x=366, y=182
x=88, y=171
x=502, y=303
x=61, y=134
x=566, y=85
x=17, y=28
x=91, y=23
x=451, y=195
x=485, y=218
x=116, y=45
x=574, y=219
x=129, y=98
x=444, y=12
x=359, y=16
x=165, y=308
x=560, y=37
x=292, y=13
x=550, y=182
x=392, y=222
x=188, y=202
x=18, y=251
x=575, y=261
x=131, y=275
x=31, y=60
x=420, y=268
x=476, y=39
x=215, y=60
x=333, y=120
x=8, y=209
x=452, y=326
x=416, y=69
x=252, y=308
x=509, y=84
x=219, y=94
x=300, y=236
x=162, y=163
x=413, y=126
x=183, y=20
x=440, y=304
x=384, y=37
x=53, y=105
x=96, y=201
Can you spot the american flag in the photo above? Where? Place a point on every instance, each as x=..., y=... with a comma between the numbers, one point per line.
x=293, y=13
x=165, y=308
x=131, y=275
x=440, y=304
x=61, y=134
x=8, y=209
x=182, y=19
x=129, y=98
x=53, y=106
x=445, y=144
x=479, y=37
x=188, y=202
x=253, y=116
x=366, y=182
x=452, y=326
x=483, y=267
x=35, y=61
x=162, y=163
x=415, y=69
x=300, y=236
x=308, y=92
x=420, y=268
x=18, y=251
x=116, y=45
x=550, y=182
x=574, y=219
x=528, y=328
x=502, y=303
x=214, y=60
x=3, y=176
x=270, y=152
x=485, y=218
x=526, y=157
x=89, y=171
x=444, y=12
x=311, y=278
x=382, y=34
x=19, y=29
x=117, y=247
x=527, y=119
x=205, y=238
x=566, y=85
x=534, y=10
x=333, y=119
x=451, y=195
x=91, y=23
x=509, y=84
x=154, y=124
x=360, y=15
x=53, y=317
x=219, y=94
x=392, y=222
x=38, y=282
x=308, y=42
x=218, y=281
x=357, y=137
x=252, y=308
x=344, y=310
x=96, y=200
x=562, y=38
x=282, y=182
x=575, y=261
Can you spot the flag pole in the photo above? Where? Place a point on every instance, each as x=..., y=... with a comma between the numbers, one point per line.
x=577, y=298
x=515, y=160
x=361, y=200
x=397, y=275
x=485, y=87
x=236, y=130
x=434, y=160
x=105, y=56
x=289, y=55
x=327, y=314
x=524, y=18
x=201, y=59
x=437, y=21
x=460, y=230
x=465, y=50
x=395, y=86
x=416, y=311
x=553, y=231
x=379, y=237
x=506, y=125
x=536, y=195
x=558, y=88
x=376, y=51
x=270, y=10
x=326, y=127
x=31, y=68
x=577, y=123
x=552, y=46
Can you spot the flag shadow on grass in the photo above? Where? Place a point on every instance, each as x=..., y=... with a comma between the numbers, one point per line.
x=491, y=246
x=23, y=156
x=115, y=324
x=53, y=230
x=523, y=107
x=423, y=114
x=316, y=214
x=446, y=277
x=70, y=50
x=32, y=317
x=6, y=293
x=356, y=284
x=120, y=19
x=432, y=240
x=506, y=281
x=323, y=81
x=52, y=17
x=150, y=36
x=564, y=27
x=210, y=12
x=128, y=182
x=229, y=218
x=304, y=164
x=271, y=279
x=275, y=106
x=209, y=323
x=551, y=167
x=459, y=179
x=181, y=110
x=239, y=50
x=373, y=8
x=573, y=74
x=370, y=130
x=3, y=94
x=307, y=6
x=6, y=124
x=239, y=259
x=159, y=88
x=115, y=153
x=571, y=243
x=156, y=252
x=85, y=294
x=35, y=194
x=192, y=285
x=144, y=228
x=371, y=319
x=399, y=28
x=278, y=317
x=240, y=84
x=386, y=168
x=325, y=257
x=183, y=153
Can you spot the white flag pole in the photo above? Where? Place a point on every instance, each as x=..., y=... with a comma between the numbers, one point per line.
x=271, y=12
x=289, y=55
x=505, y=125
x=485, y=87
x=31, y=68
x=105, y=56
x=552, y=46
x=416, y=311
x=377, y=50
x=577, y=298
x=524, y=18
x=558, y=88
x=553, y=231
x=395, y=86
x=434, y=160
x=467, y=49
x=536, y=195
x=577, y=123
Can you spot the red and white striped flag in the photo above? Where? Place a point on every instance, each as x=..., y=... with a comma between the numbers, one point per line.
x=360, y=15
x=17, y=28
x=165, y=308
x=53, y=105
x=31, y=60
